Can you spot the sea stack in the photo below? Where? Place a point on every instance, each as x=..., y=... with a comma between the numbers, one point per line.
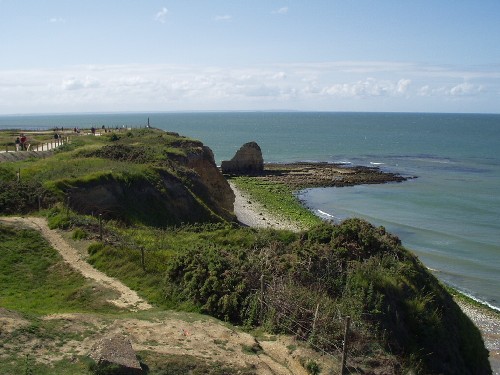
x=248, y=160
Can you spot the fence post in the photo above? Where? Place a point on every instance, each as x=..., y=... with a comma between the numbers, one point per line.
x=142, y=259
x=261, y=312
x=18, y=174
x=315, y=318
x=344, y=350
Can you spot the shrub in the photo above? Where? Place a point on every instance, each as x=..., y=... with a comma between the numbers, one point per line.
x=79, y=234
x=348, y=269
x=22, y=197
x=95, y=247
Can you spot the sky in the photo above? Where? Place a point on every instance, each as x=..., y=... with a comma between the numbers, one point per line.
x=73, y=56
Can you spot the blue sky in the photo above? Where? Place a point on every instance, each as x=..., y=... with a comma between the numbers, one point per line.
x=62, y=56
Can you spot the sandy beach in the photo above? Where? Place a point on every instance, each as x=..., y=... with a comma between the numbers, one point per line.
x=251, y=213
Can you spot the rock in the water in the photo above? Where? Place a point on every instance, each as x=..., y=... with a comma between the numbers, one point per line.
x=248, y=160
x=116, y=351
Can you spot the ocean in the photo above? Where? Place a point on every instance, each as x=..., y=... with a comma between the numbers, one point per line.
x=449, y=216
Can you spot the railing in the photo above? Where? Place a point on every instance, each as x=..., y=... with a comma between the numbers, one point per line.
x=38, y=146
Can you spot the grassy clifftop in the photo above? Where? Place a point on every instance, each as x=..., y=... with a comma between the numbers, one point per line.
x=138, y=176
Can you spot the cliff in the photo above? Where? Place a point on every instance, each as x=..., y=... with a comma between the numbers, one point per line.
x=142, y=176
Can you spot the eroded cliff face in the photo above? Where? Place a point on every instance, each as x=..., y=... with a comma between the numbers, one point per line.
x=168, y=201
x=186, y=187
x=218, y=192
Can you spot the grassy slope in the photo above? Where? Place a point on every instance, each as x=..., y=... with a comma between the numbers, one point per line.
x=35, y=280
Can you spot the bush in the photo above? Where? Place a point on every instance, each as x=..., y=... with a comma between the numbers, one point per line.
x=79, y=234
x=95, y=247
x=22, y=197
x=348, y=269
x=312, y=367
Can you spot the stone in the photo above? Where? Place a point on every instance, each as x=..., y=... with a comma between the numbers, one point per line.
x=116, y=351
x=248, y=160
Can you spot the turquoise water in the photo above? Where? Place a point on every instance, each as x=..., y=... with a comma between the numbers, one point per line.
x=449, y=216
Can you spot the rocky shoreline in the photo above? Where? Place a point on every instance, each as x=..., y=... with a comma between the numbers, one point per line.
x=302, y=175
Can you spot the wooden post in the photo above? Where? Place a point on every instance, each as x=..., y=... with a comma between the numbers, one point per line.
x=315, y=318
x=344, y=350
x=19, y=174
x=261, y=312
x=142, y=259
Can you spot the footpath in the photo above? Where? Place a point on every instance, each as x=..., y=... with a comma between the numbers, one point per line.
x=41, y=150
x=128, y=298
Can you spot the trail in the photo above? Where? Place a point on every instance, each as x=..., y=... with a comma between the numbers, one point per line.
x=128, y=298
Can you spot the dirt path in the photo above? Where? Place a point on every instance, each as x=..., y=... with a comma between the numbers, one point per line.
x=128, y=298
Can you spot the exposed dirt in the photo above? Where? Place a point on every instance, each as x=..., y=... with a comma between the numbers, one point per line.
x=163, y=333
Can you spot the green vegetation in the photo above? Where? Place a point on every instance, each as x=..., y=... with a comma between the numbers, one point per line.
x=142, y=176
x=303, y=284
x=353, y=269
x=278, y=199
x=35, y=279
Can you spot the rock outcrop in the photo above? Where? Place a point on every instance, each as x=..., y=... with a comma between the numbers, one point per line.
x=116, y=352
x=248, y=160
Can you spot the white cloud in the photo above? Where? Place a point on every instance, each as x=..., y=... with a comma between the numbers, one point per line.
x=308, y=86
x=161, y=15
x=73, y=83
x=225, y=17
x=424, y=90
x=282, y=10
x=370, y=87
x=279, y=75
x=402, y=86
x=465, y=89
x=57, y=20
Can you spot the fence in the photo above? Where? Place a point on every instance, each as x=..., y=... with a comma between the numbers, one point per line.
x=272, y=297
x=39, y=146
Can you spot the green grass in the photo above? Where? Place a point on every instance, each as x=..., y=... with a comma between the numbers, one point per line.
x=35, y=279
x=278, y=199
x=123, y=258
x=13, y=365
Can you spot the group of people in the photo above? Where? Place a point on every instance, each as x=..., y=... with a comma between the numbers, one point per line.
x=22, y=143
